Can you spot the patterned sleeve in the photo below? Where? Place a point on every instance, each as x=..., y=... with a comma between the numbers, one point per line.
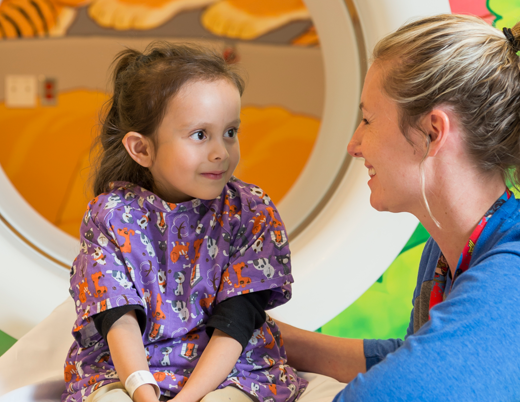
x=260, y=257
x=100, y=278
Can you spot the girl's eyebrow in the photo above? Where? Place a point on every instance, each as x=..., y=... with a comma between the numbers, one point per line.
x=204, y=124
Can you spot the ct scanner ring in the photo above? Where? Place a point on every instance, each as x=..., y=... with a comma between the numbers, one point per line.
x=327, y=209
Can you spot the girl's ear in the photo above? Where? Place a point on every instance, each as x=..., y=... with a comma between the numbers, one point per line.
x=139, y=147
x=437, y=125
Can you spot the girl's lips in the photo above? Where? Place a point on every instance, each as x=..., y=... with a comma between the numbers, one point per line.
x=213, y=175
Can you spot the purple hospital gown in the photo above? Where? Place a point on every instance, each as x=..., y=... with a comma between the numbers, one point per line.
x=178, y=261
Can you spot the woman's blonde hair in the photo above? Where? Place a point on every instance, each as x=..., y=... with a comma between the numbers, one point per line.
x=461, y=62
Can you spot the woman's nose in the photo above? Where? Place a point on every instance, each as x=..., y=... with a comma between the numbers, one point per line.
x=354, y=146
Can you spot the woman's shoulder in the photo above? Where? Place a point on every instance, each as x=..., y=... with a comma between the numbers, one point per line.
x=501, y=234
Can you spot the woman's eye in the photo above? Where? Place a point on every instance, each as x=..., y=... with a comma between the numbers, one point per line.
x=199, y=136
x=231, y=133
x=365, y=121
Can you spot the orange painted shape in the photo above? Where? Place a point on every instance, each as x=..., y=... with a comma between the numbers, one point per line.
x=8, y=27
x=31, y=12
x=267, y=7
x=73, y=3
x=50, y=12
x=309, y=38
x=275, y=145
x=147, y=3
x=13, y=13
x=46, y=155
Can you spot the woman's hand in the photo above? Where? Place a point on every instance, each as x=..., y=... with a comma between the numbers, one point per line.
x=339, y=358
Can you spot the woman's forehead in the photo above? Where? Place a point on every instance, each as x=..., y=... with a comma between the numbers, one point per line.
x=373, y=93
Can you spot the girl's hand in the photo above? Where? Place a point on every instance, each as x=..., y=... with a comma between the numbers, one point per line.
x=179, y=398
x=214, y=365
x=145, y=393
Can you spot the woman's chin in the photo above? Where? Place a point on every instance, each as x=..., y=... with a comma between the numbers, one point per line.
x=377, y=203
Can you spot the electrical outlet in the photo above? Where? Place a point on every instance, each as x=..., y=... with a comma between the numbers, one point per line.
x=20, y=91
x=48, y=91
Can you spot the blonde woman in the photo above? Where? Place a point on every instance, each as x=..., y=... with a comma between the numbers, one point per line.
x=440, y=137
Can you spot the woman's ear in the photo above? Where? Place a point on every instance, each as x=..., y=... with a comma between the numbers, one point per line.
x=139, y=147
x=437, y=125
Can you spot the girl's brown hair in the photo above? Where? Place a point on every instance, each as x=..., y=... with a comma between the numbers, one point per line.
x=464, y=63
x=144, y=83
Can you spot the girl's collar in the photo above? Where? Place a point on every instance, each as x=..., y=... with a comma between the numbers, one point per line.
x=133, y=191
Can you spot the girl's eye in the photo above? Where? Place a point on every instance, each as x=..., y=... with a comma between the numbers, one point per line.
x=199, y=136
x=231, y=133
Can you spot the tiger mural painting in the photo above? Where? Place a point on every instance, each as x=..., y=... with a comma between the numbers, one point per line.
x=36, y=18
x=241, y=19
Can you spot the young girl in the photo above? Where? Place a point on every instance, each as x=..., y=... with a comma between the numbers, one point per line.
x=179, y=259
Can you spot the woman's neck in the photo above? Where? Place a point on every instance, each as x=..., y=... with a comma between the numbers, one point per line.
x=459, y=205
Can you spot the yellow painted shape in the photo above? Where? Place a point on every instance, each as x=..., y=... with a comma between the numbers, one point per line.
x=139, y=14
x=268, y=7
x=309, y=38
x=249, y=19
x=75, y=200
x=73, y=3
x=275, y=144
x=43, y=151
x=46, y=154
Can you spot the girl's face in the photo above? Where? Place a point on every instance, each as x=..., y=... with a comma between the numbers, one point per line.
x=197, y=145
x=392, y=162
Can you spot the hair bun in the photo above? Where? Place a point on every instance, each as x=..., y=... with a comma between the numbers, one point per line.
x=515, y=44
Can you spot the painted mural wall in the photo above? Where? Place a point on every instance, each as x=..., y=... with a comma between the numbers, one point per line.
x=47, y=138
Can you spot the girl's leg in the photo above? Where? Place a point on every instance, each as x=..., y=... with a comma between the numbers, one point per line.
x=227, y=394
x=114, y=392
x=321, y=388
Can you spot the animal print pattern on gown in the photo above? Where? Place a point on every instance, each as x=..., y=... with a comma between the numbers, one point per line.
x=178, y=261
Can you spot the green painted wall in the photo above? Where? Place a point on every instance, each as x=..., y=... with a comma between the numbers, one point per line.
x=6, y=342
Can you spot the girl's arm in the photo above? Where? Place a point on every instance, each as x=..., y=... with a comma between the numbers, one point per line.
x=339, y=358
x=214, y=365
x=127, y=351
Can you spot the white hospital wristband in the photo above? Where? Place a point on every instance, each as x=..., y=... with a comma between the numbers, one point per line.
x=138, y=378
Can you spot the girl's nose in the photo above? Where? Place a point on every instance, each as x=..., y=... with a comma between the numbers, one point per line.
x=354, y=146
x=218, y=151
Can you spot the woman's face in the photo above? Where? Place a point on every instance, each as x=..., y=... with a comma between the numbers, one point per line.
x=392, y=162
